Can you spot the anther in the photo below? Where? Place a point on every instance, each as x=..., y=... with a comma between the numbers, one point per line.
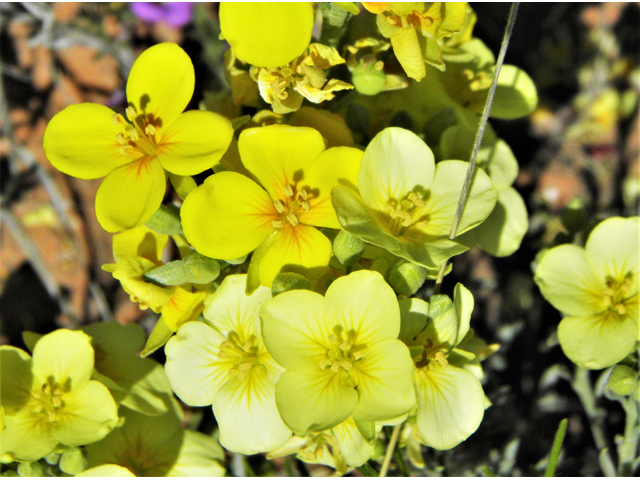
x=406, y=221
x=131, y=113
x=305, y=206
x=52, y=415
x=345, y=346
x=288, y=190
x=358, y=354
x=335, y=367
x=325, y=362
x=121, y=139
x=389, y=209
x=133, y=133
x=223, y=355
x=621, y=309
x=150, y=130
x=56, y=402
x=247, y=346
x=234, y=372
x=302, y=195
x=277, y=223
x=292, y=219
x=118, y=119
x=280, y=207
x=417, y=201
x=333, y=340
x=38, y=408
x=124, y=149
x=346, y=364
x=245, y=366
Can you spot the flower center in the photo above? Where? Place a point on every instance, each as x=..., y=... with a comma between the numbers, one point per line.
x=241, y=355
x=139, y=136
x=432, y=357
x=401, y=214
x=48, y=399
x=343, y=353
x=617, y=293
x=294, y=203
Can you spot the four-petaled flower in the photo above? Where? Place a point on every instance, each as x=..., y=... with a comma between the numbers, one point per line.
x=230, y=215
x=407, y=203
x=51, y=399
x=90, y=140
x=341, y=354
x=223, y=362
x=597, y=287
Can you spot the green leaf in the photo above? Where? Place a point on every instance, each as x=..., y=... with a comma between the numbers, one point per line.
x=516, y=95
x=502, y=232
x=195, y=268
x=159, y=336
x=166, y=220
x=286, y=281
x=555, y=450
x=238, y=122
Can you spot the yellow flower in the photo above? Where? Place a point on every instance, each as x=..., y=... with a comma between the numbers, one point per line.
x=284, y=87
x=90, y=141
x=267, y=34
x=402, y=23
x=230, y=215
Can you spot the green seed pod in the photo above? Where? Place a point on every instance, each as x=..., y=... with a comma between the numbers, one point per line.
x=33, y=469
x=286, y=281
x=347, y=248
x=73, y=461
x=368, y=80
x=406, y=277
x=623, y=380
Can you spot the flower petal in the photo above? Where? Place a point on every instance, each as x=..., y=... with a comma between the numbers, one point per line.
x=279, y=155
x=195, y=142
x=87, y=415
x=612, y=248
x=130, y=271
x=65, y=355
x=315, y=399
x=352, y=445
x=267, y=35
x=161, y=82
x=450, y=406
x=408, y=51
x=338, y=165
x=301, y=249
x=107, y=470
x=230, y=309
x=183, y=306
x=442, y=202
x=247, y=415
x=200, y=456
x=81, y=141
x=384, y=379
x=194, y=349
x=26, y=438
x=139, y=242
x=130, y=195
x=395, y=163
x=567, y=281
x=294, y=330
x=227, y=216
x=597, y=341
x=362, y=302
x=16, y=379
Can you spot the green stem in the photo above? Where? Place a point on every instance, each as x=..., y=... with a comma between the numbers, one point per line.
x=288, y=467
x=480, y=133
x=628, y=447
x=582, y=386
x=367, y=470
x=556, y=449
x=390, y=449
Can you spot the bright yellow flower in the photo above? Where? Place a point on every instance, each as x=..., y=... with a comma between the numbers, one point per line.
x=230, y=215
x=285, y=87
x=267, y=34
x=403, y=22
x=90, y=141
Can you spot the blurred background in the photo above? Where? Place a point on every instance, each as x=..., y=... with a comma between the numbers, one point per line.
x=582, y=142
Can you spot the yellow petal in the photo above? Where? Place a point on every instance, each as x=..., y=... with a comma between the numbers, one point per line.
x=139, y=242
x=316, y=95
x=322, y=56
x=161, y=82
x=406, y=46
x=278, y=154
x=183, y=306
x=81, y=141
x=267, y=34
x=338, y=165
x=194, y=142
x=227, y=216
x=295, y=247
x=130, y=194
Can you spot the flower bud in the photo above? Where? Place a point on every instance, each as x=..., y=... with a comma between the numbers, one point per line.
x=623, y=380
x=573, y=216
x=34, y=469
x=73, y=461
x=166, y=220
x=406, y=277
x=52, y=458
x=286, y=281
x=347, y=248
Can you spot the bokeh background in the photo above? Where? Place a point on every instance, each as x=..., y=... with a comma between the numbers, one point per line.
x=582, y=142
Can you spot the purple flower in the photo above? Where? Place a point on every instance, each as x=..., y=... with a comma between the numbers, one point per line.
x=176, y=14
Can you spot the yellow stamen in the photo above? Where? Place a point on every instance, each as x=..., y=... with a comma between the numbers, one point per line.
x=292, y=219
x=150, y=129
x=280, y=207
x=277, y=223
x=288, y=190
